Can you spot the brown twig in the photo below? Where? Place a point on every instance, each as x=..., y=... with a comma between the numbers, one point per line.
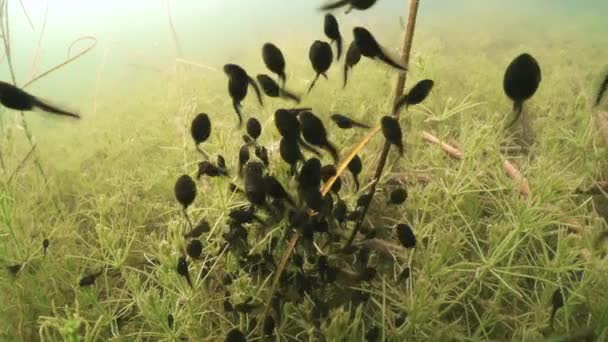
x=324, y=190
x=447, y=148
x=513, y=172
x=405, y=58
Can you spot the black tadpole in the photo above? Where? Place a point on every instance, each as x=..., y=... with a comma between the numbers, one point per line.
x=415, y=96
x=254, y=183
x=200, y=130
x=557, y=301
x=235, y=335
x=254, y=128
x=370, y=48
x=345, y=122
x=315, y=134
x=406, y=236
x=521, y=80
x=353, y=56
x=392, y=132
x=275, y=189
x=185, y=193
x=243, y=158
x=238, y=82
x=272, y=89
x=45, y=245
x=355, y=166
x=194, y=248
x=320, y=56
x=182, y=269
x=274, y=60
x=602, y=90
x=360, y=5
x=332, y=31
x=398, y=196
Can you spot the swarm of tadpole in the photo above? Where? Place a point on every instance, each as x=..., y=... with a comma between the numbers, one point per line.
x=291, y=216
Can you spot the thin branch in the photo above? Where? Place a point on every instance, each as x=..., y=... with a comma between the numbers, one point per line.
x=199, y=65
x=405, y=58
x=6, y=40
x=27, y=16
x=21, y=164
x=39, y=46
x=67, y=61
x=178, y=45
x=7, y=49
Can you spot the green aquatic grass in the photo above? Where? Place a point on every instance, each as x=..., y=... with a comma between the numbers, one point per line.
x=487, y=261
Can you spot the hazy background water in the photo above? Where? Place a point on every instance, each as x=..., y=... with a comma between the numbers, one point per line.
x=135, y=40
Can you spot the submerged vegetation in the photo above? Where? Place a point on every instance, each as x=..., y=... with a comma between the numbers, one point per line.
x=141, y=226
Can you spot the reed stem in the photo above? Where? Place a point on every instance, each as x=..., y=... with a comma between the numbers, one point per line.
x=405, y=57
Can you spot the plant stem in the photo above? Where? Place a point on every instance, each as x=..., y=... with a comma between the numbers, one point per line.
x=178, y=45
x=7, y=48
x=405, y=56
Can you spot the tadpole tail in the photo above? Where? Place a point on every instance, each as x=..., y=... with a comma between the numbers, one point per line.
x=601, y=91
x=201, y=151
x=307, y=147
x=360, y=125
x=517, y=109
x=289, y=96
x=400, y=103
x=257, y=90
x=334, y=5
x=552, y=319
x=237, y=109
x=324, y=75
x=312, y=84
x=235, y=188
x=53, y=110
x=339, y=47
x=283, y=78
x=297, y=111
x=345, y=74
x=332, y=150
x=240, y=170
x=383, y=57
x=189, y=281
x=187, y=218
x=400, y=148
x=293, y=170
x=356, y=183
